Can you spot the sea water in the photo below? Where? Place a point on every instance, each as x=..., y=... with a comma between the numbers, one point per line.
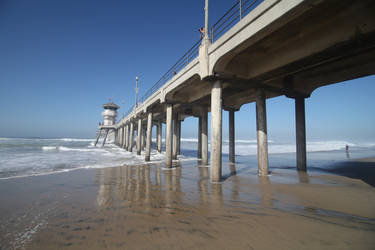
x=21, y=157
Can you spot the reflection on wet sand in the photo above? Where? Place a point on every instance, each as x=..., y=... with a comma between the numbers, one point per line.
x=148, y=207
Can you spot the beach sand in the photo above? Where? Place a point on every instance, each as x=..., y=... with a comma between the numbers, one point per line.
x=147, y=207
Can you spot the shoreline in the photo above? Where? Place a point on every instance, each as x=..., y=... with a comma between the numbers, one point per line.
x=147, y=207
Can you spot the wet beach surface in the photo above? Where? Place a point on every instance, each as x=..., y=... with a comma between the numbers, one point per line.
x=148, y=207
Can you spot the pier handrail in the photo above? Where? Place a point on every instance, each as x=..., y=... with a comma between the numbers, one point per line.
x=228, y=20
x=240, y=9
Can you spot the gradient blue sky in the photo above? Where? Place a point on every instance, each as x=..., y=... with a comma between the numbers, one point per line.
x=60, y=60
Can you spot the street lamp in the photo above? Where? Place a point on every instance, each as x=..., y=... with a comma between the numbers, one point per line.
x=123, y=109
x=136, y=91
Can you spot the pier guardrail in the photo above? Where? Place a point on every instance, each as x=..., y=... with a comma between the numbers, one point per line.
x=240, y=9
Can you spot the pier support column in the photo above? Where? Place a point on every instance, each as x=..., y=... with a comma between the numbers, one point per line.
x=178, y=137
x=126, y=136
x=300, y=133
x=216, y=131
x=120, y=137
x=149, y=134
x=175, y=135
x=231, y=137
x=199, y=151
x=97, y=138
x=144, y=136
x=131, y=137
x=105, y=137
x=262, y=132
x=139, y=136
x=168, y=137
x=204, y=136
x=159, y=135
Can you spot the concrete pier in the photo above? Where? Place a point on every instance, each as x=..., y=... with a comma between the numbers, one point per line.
x=216, y=131
x=168, y=136
x=159, y=136
x=231, y=137
x=261, y=117
x=139, y=136
x=204, y=136
x=175, y=136
x=321, y=55
x=149, y=135
x=300, y=133
x=199, y=151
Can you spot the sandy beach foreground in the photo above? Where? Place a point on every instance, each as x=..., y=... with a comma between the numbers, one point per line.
x=147, y=207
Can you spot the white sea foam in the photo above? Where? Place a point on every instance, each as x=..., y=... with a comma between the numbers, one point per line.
x=74, y=139
x=49, y=148
x=61, y=155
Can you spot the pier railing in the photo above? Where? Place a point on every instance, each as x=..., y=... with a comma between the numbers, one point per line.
x=240, y=9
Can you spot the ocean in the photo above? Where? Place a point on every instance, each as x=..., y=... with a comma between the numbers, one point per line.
x=21, y=157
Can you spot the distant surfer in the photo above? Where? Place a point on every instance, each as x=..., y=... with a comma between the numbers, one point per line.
x=347, y=151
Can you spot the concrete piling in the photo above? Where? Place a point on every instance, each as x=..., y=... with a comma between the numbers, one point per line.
x=139, y=136
x=159, y=136
x=131, y=137
x=149, y=134
x=199, y=151
x=175, y=136
x=300, y=133
x=231, y=137
x=261, y=117
x=168, y=137
x=178, y=137
x=216, y=131
x=204, y=136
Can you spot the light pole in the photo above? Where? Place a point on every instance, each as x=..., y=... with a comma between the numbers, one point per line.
x=206, y=20
x=123, y=109
x=136, y=91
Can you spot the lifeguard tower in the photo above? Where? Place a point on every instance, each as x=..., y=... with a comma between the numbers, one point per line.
x=109, y=115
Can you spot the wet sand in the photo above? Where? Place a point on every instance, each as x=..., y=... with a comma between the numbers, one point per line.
x=147, y=207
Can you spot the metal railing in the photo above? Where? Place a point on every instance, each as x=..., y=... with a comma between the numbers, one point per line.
x=228, y=20
x=240, y=9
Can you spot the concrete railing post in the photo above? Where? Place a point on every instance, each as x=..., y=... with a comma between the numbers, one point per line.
x=300, y=133
x=204, y=137
x=261, y=116
x=131, y=137
x=199, y=153
x=216, y=131
x=168, y=137
x=231, y=137
x=139, y=136
x=148, y=141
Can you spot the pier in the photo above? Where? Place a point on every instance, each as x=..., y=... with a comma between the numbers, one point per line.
x=256, y=51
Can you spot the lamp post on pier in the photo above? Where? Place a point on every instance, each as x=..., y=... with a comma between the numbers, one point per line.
x=136, y=91
x=123, y=109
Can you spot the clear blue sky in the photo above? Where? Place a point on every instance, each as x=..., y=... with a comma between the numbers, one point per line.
x=60, y=60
